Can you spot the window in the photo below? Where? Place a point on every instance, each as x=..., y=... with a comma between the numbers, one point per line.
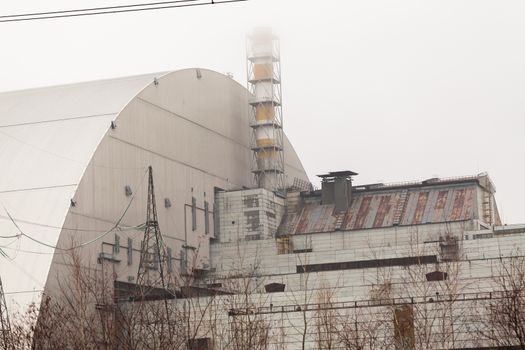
x=216, y=220
x=116, y=246
x=436, y=276
x=283, y=245
x=193, y=213
x=302, y=244
x=206, y=218
x=449, y=249
x=169, y=258
x=130, y=251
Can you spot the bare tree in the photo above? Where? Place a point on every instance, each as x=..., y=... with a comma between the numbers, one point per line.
x=78, y=316
x=430, y=293
x=248, y=329
x=326, y=317
x=365, y=328
x=503, y=320
x=303, y=298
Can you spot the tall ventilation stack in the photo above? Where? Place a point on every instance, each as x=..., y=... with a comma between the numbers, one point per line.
x=264, y=82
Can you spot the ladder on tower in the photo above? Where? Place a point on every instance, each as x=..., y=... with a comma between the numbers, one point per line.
x=400, y=208
x=487, y=207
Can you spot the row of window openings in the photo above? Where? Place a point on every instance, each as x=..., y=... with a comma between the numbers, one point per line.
x=167, y=204
x=153, y=259
x=206, y=210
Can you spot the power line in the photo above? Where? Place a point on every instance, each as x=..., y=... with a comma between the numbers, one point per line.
x=97, y=8
x=112, y=229
x=111, y=10
x=29, y=252
x=65, y=228
x=24, y=292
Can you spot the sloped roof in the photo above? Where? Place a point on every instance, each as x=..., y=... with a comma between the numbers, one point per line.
x=372, y=208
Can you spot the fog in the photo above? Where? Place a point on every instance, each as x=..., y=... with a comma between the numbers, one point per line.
x=395, y=91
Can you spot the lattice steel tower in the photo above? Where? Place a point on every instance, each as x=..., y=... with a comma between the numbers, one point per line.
x=5, y=343
x=155, y=258
x=266, y=118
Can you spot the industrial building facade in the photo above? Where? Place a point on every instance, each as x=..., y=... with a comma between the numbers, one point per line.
x=382, y=266
x=264, y=264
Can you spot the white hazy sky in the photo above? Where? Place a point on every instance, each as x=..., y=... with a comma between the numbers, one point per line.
x=394, y=90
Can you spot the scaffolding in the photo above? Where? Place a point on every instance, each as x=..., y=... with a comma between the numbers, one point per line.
x=266, y=120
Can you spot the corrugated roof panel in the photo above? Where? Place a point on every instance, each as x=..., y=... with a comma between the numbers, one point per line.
x=363, y=211
x=378, y=209
x=410, y=208
x=374, y=207
x=316, y=218
x=429, y=209
x=438, y=214
x=382, y=210
x=459, y=201
x=326, y=219
x=420, y=207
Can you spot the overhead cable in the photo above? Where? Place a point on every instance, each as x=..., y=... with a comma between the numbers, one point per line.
x=24, y=292
x=110, y=10
x=96, y=9
x=17, y=250
x=113, y=228
x=65, y=228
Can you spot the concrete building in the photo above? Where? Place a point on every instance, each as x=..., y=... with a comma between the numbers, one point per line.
x=77, y=158
x=373, y=248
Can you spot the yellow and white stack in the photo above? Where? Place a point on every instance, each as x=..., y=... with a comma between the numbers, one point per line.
x=264, y=83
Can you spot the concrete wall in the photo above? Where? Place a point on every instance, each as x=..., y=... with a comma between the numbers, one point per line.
x=481, y=254
x=248, y=215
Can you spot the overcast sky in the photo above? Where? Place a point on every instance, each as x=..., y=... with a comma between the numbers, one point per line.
x=394, y=90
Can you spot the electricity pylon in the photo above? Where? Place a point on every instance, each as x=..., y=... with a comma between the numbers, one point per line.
x=5, y=343
x=155, y=261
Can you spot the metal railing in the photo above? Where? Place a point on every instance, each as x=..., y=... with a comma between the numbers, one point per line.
x=421, y=182
x=273, y=309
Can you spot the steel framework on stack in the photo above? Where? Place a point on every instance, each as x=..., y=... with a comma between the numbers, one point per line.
x=266, y=119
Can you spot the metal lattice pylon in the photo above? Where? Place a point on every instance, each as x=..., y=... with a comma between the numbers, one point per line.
x=5, y=343
x=155, y=261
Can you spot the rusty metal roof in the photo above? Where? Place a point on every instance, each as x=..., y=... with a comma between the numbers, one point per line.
x=387, y=207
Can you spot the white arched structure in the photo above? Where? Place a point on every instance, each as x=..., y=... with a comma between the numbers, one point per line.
x=68, y=153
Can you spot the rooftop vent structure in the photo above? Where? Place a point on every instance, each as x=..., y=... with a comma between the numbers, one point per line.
x=336, y=188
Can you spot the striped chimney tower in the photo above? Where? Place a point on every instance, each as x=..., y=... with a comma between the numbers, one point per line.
x=264, y=83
